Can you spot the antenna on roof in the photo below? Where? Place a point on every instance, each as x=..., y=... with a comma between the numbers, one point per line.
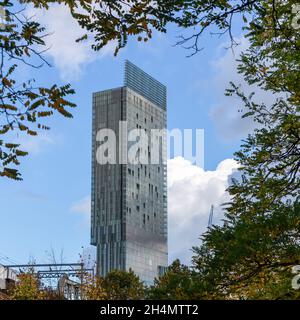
x=211, y=216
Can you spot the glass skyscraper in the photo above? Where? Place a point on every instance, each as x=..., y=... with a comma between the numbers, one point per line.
x=129, y=200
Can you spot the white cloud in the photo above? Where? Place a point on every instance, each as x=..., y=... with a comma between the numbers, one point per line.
x=227, y=111
x=36, y=144
x=68, y=56
x=192, y=191
x=83, y=206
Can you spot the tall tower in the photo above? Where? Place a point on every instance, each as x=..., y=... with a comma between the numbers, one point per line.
x=129, y=200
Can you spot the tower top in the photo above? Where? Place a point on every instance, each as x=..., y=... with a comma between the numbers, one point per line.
x=142, y=83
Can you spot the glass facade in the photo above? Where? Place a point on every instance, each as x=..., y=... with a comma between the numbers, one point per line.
x=129, y=201
x=148, y=87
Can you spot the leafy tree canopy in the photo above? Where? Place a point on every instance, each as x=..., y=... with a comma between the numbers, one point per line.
x=268, y=25
x=123, y=285
x=107, y=20
x=24, y=105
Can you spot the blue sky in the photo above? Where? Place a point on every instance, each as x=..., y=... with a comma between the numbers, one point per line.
x=48, y=209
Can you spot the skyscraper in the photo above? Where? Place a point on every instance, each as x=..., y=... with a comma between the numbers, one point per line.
x=129, y=200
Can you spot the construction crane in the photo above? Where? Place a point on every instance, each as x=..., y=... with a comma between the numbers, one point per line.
x=211, y=216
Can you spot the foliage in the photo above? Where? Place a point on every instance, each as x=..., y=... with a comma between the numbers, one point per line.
x=178, y=283
x=93, y=288
x=23, y=105
x=27, y=288
x=123, y=285
x=251, y=256
x=117, y=285
x=115, y=21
